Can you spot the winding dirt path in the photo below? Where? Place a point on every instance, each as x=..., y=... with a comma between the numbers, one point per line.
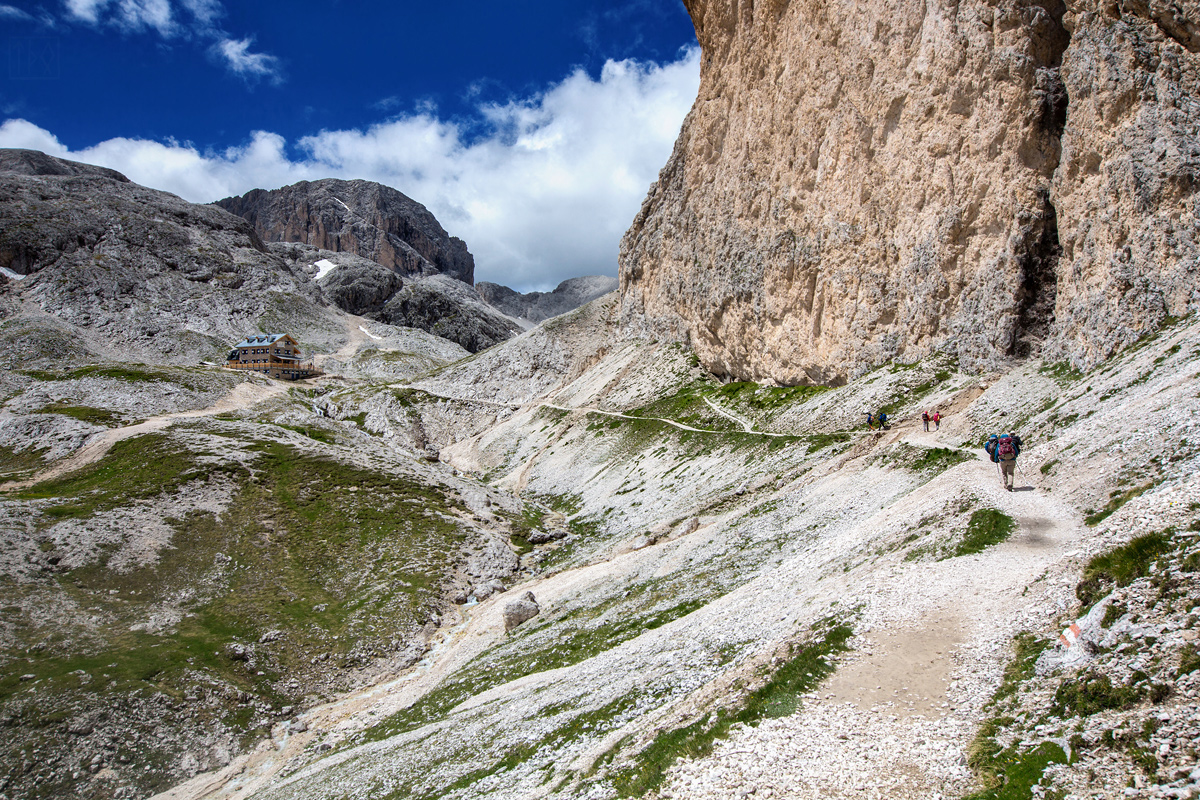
x=242, y=396
x=896, y=718
x=746, y=424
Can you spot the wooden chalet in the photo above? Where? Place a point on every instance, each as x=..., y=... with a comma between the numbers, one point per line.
x=276, y=355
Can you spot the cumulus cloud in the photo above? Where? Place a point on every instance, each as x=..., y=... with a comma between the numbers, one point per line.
x=12, y=12
x=543, y=194
x=236, y=55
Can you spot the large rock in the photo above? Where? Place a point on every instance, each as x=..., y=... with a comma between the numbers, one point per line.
x=857, y=182
x=362, y=217
x=535, y=307
x=519, y=611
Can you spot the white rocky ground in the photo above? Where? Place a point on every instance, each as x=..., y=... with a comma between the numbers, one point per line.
x=698, y=557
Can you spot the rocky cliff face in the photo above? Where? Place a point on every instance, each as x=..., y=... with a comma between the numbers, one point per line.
x=877, y=180
x=534, y=307
x=361, y=217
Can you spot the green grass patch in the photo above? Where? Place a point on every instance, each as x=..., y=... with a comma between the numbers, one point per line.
x=19, y=463
x=987, y=527
x=1117, y=500
x=766, y=398
x=339, y=559
x=1091, y=693
x=515, y=659
x=819, y=441
x=1061, y=371
x=806, y=666
x=127, y=373
x=1189, y=660
x=588, y=723
x=92, y=416
x=139, y=468
x=1121, y=566
x=313, y=432
x=939, y=459
x=1048, y=467
x=1027, y=648
x=1012, y=773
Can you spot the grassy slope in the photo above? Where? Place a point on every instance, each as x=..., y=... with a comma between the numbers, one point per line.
x=297, y=554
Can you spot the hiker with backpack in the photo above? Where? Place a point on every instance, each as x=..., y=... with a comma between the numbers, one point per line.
x=937, y=420
x=925, y=420
x=1003, y=450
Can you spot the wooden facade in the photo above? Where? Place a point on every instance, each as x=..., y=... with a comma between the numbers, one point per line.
x=276, y=355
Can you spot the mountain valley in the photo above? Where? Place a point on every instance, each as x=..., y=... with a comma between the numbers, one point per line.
x=647, y=537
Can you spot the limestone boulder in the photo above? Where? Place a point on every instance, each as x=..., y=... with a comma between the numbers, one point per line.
x=520, y=611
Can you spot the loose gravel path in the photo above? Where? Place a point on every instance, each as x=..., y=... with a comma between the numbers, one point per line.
x=241, y=397
x=895, y=719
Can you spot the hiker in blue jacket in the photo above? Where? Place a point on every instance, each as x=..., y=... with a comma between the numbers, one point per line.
x=1003, y=450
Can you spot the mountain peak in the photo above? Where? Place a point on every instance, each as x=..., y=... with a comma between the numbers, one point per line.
x=357, y=216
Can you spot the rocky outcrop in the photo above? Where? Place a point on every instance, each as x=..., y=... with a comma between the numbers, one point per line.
x=861, y=182
x=35, y=162
x=435, y=303
x=368, y=219
x=107, y=266
x=535, y=307
x=354, y=284
x=450, y=309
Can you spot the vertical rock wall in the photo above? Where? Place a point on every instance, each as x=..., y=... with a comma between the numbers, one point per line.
x=859, y=181
x=1126, y=187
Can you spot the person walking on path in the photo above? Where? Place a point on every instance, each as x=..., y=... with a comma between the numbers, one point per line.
x=925, y=420
x=937, y=420
x=870, y=421
x=1004, y=450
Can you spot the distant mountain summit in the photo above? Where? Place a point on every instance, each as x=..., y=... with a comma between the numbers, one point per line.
x=368, y=219
x=535, y=307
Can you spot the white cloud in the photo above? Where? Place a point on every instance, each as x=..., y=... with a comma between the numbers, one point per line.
x=12, y=12
x=204, y=11
x=545, y=195
x=86, y=10
x=129, y=15
x=237, y=56
x=136, y=16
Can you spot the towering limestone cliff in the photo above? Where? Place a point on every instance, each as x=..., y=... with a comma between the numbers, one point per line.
x=368, y=219
x=864, y=181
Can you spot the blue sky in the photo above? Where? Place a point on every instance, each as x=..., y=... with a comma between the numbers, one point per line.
x=531, y=129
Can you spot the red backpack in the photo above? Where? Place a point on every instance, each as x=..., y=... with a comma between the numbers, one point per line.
x=1006, y=450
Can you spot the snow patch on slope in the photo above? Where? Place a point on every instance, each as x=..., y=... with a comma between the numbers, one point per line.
x=324, y=267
